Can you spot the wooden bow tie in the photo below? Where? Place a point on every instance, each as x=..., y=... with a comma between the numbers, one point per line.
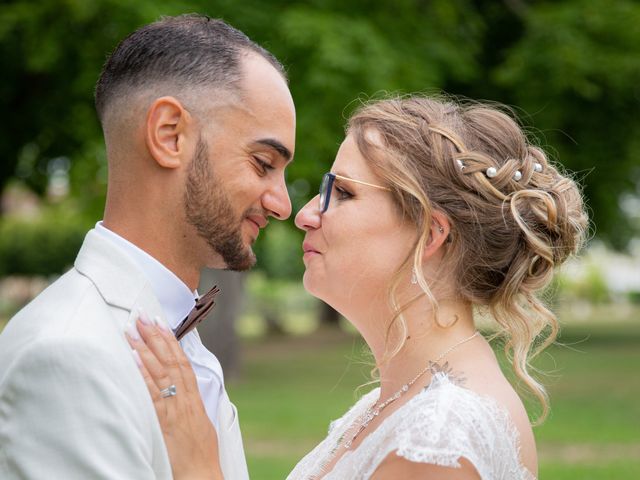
x=204, y=305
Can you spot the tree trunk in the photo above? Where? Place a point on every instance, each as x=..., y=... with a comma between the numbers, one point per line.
x=328, y=316
x=273, y=323
x=218, y=331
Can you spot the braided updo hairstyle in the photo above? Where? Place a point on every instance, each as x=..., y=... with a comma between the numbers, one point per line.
x=514, y=217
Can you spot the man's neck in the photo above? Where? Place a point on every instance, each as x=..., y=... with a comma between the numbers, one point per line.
x=158, y=244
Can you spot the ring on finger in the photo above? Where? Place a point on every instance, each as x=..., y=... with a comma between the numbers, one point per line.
x=170, y=391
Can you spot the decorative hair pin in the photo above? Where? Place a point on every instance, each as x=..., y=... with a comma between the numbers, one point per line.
x=517, y=176
x=460, y=164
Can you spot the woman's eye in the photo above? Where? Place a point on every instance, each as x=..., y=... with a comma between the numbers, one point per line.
x=343, y=194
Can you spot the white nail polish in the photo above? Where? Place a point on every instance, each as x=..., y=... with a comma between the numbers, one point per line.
x=132, y=331
x=136, y=357
x=144, y=317
x=160, y=323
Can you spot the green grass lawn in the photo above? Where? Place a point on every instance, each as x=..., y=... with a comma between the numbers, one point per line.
x=293, y=387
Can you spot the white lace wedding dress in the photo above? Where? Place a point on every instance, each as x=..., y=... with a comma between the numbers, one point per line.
x=439, y=425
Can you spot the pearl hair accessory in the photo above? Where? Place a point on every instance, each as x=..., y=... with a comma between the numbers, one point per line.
x=491, y=172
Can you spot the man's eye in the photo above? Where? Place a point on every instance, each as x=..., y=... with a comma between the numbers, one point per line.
x=264, y=166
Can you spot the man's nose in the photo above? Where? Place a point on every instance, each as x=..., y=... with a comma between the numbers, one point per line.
x=277, y=202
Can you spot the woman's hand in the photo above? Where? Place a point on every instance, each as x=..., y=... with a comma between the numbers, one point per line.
x=191, y=440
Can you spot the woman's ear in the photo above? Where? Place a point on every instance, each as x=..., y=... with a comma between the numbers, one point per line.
x=166, y=131
x=440, y=228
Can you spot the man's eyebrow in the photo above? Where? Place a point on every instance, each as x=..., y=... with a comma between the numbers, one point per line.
x=283, y=151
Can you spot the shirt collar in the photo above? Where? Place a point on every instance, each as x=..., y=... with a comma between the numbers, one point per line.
x=173, y=294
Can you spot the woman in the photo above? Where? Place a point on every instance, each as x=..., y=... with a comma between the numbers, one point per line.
x=433, y=213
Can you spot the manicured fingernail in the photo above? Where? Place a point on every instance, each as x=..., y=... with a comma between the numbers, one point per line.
x=132, y=331
x=160, y=323
x=144, y=318
x=136, y=357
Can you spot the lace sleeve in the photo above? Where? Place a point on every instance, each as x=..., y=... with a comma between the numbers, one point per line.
x=314, y=461
x=354, y=412
x=440, y=426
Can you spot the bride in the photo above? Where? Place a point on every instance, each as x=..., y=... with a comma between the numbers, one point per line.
x=433, y=212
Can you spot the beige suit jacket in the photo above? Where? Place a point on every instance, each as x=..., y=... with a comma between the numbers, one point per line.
x=73, y=404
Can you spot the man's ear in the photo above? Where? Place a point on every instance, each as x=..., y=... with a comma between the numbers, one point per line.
x=166, y=131
x=440, y=228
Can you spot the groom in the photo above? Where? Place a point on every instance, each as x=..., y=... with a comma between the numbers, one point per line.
x=199, y=125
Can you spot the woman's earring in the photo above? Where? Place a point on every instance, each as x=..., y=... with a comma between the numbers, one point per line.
x=414, y=276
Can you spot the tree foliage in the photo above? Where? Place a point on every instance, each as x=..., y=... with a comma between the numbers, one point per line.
x=573, y=66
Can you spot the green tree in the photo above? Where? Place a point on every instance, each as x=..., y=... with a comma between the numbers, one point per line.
x=573, y=66
x=52, y=52
x=576, y=70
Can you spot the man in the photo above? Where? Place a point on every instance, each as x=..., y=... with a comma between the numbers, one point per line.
x=199, y=125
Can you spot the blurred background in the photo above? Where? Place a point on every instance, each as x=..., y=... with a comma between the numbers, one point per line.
x=571, y=71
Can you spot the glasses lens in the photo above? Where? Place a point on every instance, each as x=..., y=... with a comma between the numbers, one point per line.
x=324, y=193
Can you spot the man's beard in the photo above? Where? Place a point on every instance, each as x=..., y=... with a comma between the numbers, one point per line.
x=208, y=209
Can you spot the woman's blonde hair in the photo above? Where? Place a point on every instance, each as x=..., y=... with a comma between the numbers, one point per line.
x=513, y=215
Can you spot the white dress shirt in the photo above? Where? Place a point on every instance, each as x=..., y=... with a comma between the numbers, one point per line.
x=177, y=301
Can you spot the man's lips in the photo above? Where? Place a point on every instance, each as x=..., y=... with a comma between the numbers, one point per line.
x=257, y=222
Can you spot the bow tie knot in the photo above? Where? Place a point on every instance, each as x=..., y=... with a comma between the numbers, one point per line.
x=203, y=306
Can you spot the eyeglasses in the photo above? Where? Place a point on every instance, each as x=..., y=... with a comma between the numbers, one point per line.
x=327, y=186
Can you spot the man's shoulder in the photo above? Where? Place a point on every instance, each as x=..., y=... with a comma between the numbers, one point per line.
x=55, y=305
x=68, y=290
x=82, y=396
x=67, y=353
x=70, y=310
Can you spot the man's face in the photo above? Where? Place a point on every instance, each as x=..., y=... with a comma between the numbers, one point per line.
x=236, y=178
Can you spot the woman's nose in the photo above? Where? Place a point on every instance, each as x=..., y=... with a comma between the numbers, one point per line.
x=308, y=218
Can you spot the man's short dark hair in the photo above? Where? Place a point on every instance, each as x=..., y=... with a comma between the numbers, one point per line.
x=186, y=51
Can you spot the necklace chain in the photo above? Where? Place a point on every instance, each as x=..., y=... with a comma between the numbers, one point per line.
x=372, y=412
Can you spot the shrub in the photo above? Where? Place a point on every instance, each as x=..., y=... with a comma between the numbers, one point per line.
x=43, y=246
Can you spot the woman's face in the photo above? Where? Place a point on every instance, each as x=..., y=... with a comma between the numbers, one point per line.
x=352, y=250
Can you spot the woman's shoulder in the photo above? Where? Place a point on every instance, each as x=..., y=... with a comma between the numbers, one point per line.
x=446, y=404
x=447, y=401
x=447, y=422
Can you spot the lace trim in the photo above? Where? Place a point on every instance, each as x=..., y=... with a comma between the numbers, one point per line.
x=440, y=425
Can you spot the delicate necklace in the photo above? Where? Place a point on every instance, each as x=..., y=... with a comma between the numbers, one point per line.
x=372, y=413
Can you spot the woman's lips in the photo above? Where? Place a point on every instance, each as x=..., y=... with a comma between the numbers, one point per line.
x=309, y=251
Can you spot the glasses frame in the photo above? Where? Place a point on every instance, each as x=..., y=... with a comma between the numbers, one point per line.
x=326, y=187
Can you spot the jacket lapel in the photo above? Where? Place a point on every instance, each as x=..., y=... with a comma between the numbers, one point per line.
x=116, y=276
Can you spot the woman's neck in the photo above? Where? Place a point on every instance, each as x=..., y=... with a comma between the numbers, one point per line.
x=425, y=342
